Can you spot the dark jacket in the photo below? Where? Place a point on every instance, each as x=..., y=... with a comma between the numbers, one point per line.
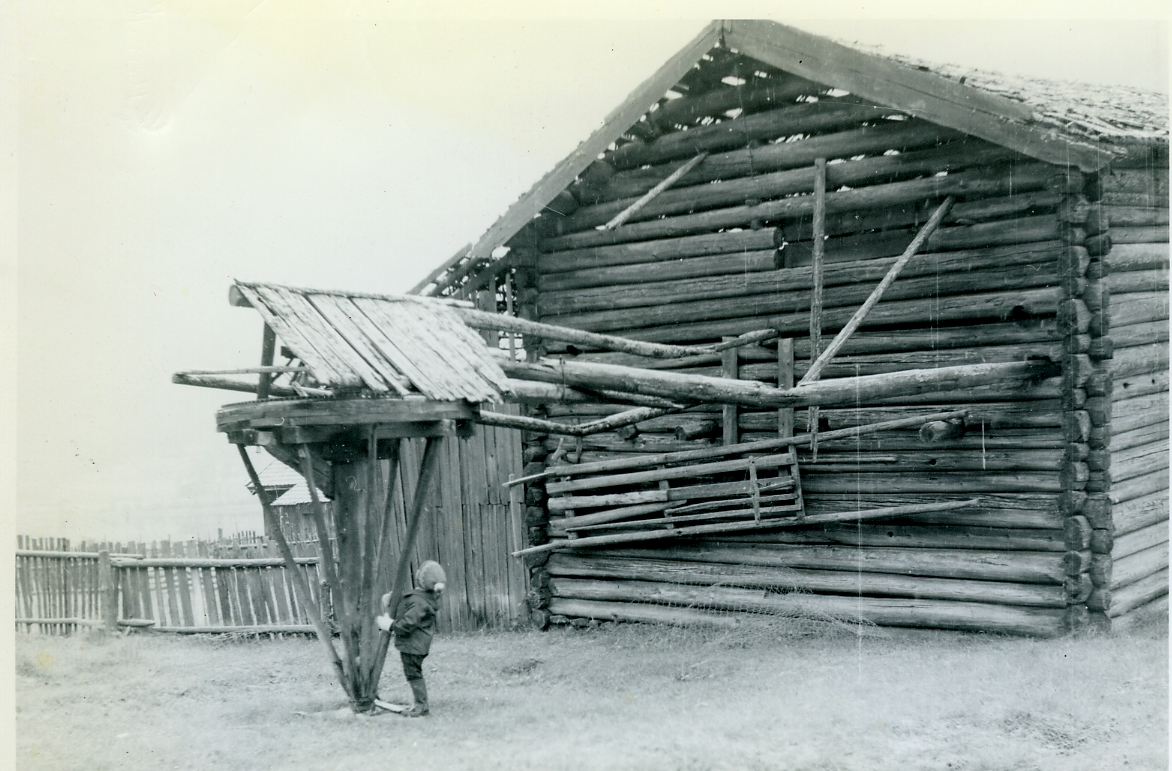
x=415, y=621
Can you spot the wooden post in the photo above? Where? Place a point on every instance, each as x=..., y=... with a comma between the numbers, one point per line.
x=300, y=584
x=819, y=361
x=785, y=379
x=427, y=469
x=108, y=589
x=817, y=271
x=267, y=349
x=729, y=369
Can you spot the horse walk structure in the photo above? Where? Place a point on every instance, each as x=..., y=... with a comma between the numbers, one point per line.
x=765, y=178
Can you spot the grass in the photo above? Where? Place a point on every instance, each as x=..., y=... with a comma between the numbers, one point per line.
x=615, y=697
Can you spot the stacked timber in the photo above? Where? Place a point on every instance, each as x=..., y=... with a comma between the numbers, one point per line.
x=1017, y=271
x=1128, y=403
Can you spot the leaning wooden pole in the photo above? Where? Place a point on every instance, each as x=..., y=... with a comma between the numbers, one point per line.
x=427, y=469
x=821, y=360
x=300, y=585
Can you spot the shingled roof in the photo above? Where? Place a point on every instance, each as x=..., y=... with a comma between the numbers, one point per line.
x=385, y=344
x=1067, y=124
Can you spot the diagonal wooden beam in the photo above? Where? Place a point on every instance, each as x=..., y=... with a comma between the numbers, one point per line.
x=654, y=192
x=877, y=294
x=300, y=585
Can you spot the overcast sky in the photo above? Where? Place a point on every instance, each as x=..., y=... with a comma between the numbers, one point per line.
x=163, y=149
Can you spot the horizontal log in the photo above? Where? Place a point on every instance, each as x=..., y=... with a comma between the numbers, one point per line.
x=1139, y=334
x=1015, y=567
x=1128, y=257
x=758, y=93
x=1135, y=413
x=1132, y=216
x=1137, y=461
x=867, y=140
x=884, y=612
x=663, y=270
x=1138, y=308
x=981, y=183
x=1140, y=359
x=915, y=536
x=828, y=393
x=871, y=170
x=987, y=482
x=1153, y=181
x=1139, y=593
x=1037, y=414
x=1026, y=332
x=564, y=565
x=992, y=306
x=956, y=272
x=1140, y=385
x=914, y=462
x=637, y=612
x=1127, y=570
x=1155, y=481
x=815, y=117
x=1138, y=437
x=234, y=384
x=1138, y=540
x=1157, y=234
x=1138, y=513
x=1155, y=280
x=665, y=250
x=789, y=580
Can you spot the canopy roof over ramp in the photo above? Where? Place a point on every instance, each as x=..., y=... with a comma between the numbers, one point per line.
x=381, y=343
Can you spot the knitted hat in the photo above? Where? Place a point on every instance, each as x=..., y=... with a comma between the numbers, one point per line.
x=430, y=577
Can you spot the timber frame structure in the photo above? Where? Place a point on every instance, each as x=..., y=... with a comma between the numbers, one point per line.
x=768, y=179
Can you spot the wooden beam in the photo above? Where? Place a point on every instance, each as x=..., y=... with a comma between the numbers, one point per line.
x=844, y=334
x=785, y=379
x=922, y=94
x=729, y=369
x=830, y=393
x=768, y=445
x=817, y=269
x=228, y=384
x=427, y=469
x=849, y=516
x=300, y=585
x=654, y=192
x=268, y=346
x=649, y=92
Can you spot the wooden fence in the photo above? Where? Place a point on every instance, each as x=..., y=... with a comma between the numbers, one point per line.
x=228, y=585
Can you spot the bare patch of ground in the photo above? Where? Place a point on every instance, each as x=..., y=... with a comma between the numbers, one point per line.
x=616, y=697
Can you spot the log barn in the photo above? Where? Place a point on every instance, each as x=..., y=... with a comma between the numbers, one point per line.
x=768, y=179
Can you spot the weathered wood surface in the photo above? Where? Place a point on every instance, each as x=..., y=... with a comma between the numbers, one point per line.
x=1137, y=412
x=1138, y=540
x=882, y=611
x=630, y=611
x=644, y=252
x=1138, y=513
x=1129, y=257
x=851, y=583
x=889, y=135
x=1015, y=567
x=1138, y=593
x=1127, y=570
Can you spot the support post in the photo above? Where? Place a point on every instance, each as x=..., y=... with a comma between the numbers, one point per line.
x=300, y=585
x=427, y=469
x=817, y=270
x=267, y=349
x=785, y=379
x=108, y=589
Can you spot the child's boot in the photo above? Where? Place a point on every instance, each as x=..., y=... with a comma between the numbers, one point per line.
x=419, y=690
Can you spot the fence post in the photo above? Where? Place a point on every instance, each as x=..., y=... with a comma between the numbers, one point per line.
x=108, y=588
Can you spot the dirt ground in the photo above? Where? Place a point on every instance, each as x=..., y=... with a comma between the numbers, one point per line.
x=615, y=697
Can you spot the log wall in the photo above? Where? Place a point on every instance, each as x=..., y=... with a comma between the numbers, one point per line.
x=1128, y=297
x=1022, y=268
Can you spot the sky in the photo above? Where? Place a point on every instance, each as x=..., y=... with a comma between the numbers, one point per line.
x=162, y=149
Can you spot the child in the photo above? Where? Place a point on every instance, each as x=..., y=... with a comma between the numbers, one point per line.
x=414, y=626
